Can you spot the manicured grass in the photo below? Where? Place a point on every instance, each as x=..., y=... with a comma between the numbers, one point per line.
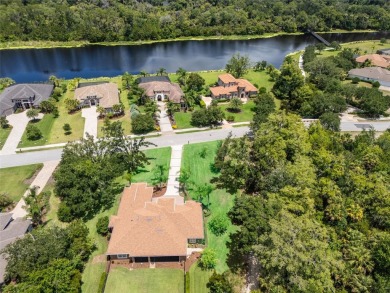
x=199, y=279
x=246, y=113
x=365, y=47
x=220, y=201
x=13, y=180
x=157, y=157
x=44, y=125
x=183, y=119
x=4, y=132
x=145, y=281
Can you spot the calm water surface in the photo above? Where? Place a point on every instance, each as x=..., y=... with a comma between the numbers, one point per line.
x=33, y=65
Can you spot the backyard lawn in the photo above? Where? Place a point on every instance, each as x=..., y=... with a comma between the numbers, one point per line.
x=4, y=132
x=13, y=180
x=93, y=270
x=246, y=113
x=145, y=281
x=199, y=279
x=220, y=201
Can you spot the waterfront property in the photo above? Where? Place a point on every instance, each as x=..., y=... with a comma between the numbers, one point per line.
x=371, y=74
x=160, y=88
x=150, y=230
x=23, y=96
x=230, y=87
x=375, y=60
x=384, y=51
x=10, y=230
x=103, y=94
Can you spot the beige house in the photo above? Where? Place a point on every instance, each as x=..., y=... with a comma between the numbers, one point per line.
x=150, y=230
x=103, y=94
x=372, y=74
x=160, y=88
x=230, y=87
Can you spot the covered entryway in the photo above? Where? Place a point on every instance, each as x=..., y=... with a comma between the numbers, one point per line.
x=160, y=97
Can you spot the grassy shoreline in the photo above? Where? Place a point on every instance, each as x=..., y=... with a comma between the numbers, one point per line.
x=71, y=44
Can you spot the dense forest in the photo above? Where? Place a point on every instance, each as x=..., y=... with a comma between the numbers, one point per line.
x=130, y=20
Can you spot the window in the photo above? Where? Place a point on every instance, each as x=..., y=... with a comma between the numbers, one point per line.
x=122, y=255
x=192, y=240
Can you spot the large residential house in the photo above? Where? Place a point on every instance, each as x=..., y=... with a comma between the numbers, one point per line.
x=160, y=88
x=375, y=59
x=10, y=230
x=230, y=87
x=153, y=230
x=104, y=94
x=23, y=96
x=371, y=74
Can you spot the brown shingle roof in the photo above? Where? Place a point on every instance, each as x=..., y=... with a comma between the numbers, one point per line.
x=106, y=92
x=376, y=60
x=173, y=90
x=226, y=78
x=146, y=228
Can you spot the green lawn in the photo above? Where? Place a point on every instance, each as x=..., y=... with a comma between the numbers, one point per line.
x=246, y=113
x=199, y=279
x=183, y=119
x=220, y=201
x=13, y=180
x=92, y=272
x=44, y=125
x=365, y=47
x=4, y=132
x=145, y=281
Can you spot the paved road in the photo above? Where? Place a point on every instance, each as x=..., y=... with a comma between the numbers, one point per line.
x=161, y=141
x=170, y=140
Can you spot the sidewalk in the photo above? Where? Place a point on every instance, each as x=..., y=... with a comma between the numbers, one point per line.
x=40, y=181
x=19, y=123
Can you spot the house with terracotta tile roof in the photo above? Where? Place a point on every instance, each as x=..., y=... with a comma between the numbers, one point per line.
x=151, y=230
x=230, y=87
x=375, y=59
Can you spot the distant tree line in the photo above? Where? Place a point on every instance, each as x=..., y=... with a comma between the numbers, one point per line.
x=114, y=20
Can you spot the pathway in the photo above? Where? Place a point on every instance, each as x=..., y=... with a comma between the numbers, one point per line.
x=91, y=121
x=165, y=123
x=300, y=63
x=40, y=181
x=19, y=123
x=173, y=186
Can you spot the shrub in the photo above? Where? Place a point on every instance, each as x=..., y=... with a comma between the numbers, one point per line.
x=230, y=118
x=67, y=128
x=203, y=152
x=102, y=282
x=262, y=90
x=208, y=259
x=32, y=113
x=64, y=214
x=5, y=201
x=142, y=124
x=355, y=80
x=218, y=225
x=214, y=103
x=33, y=132
x=102, y=225
x=376, y=84
x=4, y=122
x=202, y=104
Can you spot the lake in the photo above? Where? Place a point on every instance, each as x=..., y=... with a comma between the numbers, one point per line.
x=34, y=65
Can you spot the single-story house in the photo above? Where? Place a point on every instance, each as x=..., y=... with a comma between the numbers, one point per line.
x=372, y=74
x=104, y=94
x=384, y=51
x=230, y=87
x=10, y=230
x=24, y=96
x=150, y=230
x=376, y=60
x=160, y=88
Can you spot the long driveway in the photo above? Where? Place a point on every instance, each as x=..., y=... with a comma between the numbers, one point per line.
x=164, y=141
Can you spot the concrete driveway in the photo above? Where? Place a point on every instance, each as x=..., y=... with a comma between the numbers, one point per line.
x=19, y=123
x=91, y=121
x=165, y=123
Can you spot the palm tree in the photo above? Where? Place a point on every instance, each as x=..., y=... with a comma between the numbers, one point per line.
x=184, y=179
x=32, y=113
x=204, y=191
x=100, y=110
x=160, y=175
x=162, y=71
x=34, y=205
x=127, y=80
x=54, y=80
x=151, y=108
x=235, y=104
x=182, y=75
x=143, y=73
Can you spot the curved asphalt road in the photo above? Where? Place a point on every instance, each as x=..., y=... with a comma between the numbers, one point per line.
x=170, y=140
